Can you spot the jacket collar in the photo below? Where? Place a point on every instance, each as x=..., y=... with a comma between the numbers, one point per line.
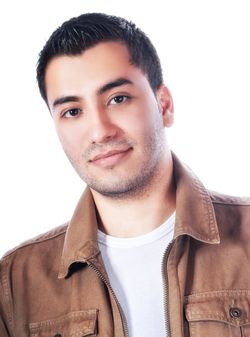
x=80, y=243
x=194, y=217
x=194, y=209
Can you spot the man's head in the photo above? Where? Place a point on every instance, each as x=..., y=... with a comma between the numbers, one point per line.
x=109, y=116
x=81, y=33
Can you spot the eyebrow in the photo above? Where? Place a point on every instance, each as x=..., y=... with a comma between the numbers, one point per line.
x=65, y=99
x=106, y=87
x=113, y=84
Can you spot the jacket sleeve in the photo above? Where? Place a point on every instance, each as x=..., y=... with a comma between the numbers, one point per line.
x=4, y=330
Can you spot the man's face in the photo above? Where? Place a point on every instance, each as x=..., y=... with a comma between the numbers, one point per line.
x=109, y=121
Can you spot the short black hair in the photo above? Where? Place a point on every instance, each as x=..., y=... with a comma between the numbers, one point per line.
x=80, y=33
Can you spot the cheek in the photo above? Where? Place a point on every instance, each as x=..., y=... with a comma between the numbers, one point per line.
x=70, y=140
x=135, y=121
x=140, y=124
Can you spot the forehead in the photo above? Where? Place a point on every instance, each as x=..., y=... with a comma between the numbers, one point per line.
x=89, y=70
x=83, y=74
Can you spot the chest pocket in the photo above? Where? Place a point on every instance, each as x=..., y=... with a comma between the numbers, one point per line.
x=220, y=313
x=74, y=324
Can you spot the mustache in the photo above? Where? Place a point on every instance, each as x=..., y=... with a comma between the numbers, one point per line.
x=99, y=148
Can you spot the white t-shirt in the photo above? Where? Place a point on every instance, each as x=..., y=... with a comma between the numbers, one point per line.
x=134, y=267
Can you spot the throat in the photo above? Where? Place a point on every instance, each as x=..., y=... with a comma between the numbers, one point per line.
x=132, y=219
x=141, y=213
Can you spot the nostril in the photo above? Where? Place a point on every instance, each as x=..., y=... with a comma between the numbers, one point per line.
x=103, y=133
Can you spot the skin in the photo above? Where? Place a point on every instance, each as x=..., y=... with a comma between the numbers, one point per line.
x=112, y=128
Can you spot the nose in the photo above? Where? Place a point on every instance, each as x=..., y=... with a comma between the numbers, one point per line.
x=102, y=129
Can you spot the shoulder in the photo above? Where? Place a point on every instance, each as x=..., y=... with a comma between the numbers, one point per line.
x=229, y=205
x=228, y=200
x=27, y=265
x=232, y=214
x=37, y=243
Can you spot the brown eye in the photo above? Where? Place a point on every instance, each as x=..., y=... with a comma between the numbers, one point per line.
x=118, y=99
x=71, y=113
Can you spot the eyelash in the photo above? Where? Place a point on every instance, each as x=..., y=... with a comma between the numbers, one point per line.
x=71, y=110
x=78, y=111
x=117, y=97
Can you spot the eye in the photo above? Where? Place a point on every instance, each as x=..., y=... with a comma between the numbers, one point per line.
x=119, y=99
x=71, y=113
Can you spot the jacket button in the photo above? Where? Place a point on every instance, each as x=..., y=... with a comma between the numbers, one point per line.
x=235, y=312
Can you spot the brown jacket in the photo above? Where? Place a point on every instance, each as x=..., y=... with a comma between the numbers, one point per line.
x=56, y=286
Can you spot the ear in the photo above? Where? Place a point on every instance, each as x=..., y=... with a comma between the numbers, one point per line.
x=165, y=102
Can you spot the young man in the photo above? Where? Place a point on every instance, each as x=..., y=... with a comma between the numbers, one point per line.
x=149, y=251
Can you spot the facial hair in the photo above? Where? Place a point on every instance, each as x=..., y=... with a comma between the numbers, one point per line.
x=134, y=184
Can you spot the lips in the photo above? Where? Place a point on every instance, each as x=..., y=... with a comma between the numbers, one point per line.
x=108, y=154
x=110, y=157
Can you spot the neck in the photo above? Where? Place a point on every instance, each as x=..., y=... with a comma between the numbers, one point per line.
x=141, y=214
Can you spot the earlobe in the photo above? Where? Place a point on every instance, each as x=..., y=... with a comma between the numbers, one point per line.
x=166, y=105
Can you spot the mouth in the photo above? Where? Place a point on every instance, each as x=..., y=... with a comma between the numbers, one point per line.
x=110, y=158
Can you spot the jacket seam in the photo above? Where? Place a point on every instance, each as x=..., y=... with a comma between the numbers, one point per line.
x=208, y=207
x=226, y=199
x=215, y=294
x=233, y=203
x=33, y=242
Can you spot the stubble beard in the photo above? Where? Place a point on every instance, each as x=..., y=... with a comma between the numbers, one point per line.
x=132, y=185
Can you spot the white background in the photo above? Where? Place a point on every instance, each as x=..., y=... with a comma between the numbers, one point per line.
x=205, y=51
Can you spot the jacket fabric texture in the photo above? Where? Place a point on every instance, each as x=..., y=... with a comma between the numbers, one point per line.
x=56, y=285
